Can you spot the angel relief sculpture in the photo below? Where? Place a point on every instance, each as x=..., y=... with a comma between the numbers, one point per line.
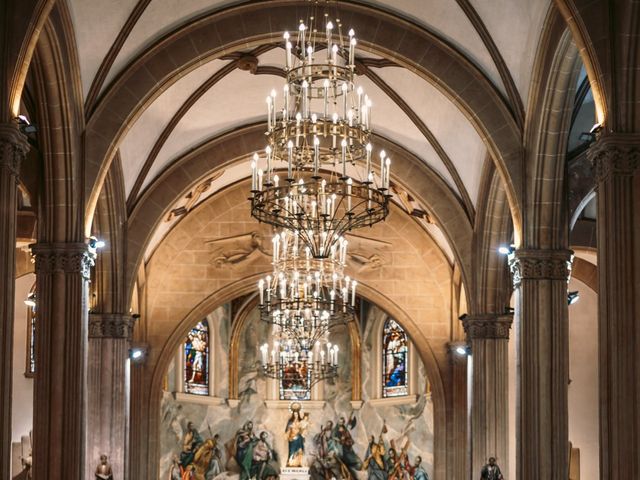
x=237, y=248
x=367, y=253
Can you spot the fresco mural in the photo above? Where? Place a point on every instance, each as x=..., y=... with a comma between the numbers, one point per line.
x=261, y=436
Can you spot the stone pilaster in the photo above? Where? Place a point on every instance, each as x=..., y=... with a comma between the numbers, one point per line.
x=616, y=159
x=488, y=337
x=62, y=275
x=457, y=453
x=13, y=148
x=540, y=279
x=108, y=390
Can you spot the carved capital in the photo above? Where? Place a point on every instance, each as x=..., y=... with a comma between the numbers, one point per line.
x=63, y=258
x=532, y=264
x=615, y=154
x=110, y=325
x=13, y=147
x=487, y=326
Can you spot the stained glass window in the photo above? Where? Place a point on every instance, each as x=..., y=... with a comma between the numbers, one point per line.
x=395, y=360
x=295, y=383
x=196, y=360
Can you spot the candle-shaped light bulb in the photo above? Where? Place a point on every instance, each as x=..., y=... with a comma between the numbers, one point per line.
x=260, y=174
x=288, y=56
x=386, y=173
x=276, y=180
x=254, y=173
x=269, y=114
x=316, y=155
x=290, y=158
x=285, y=94
x=353, y=293
x=302, y=28
x=344, y=157
x=344, y=89
x=349, y=185
x=334, y=54
x=261, y=290
x=368, y=148
x=352, y=50
x=383, y=154
x=305, y=99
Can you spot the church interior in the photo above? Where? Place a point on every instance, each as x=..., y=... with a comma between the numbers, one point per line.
x=320, y=239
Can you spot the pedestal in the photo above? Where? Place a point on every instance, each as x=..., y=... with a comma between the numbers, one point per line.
x=295, y=473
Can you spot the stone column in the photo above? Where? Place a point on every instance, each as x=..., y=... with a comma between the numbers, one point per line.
x=457, y=432
x=616, y=158
x=540, y=279
x=13, y=147
x=488, y=337
x=108, y=390
x=62, y=275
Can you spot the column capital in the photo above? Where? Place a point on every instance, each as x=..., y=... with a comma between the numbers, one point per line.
x=110, y=325
x=540, y=264
x=63, y=258
x=485, y=326
x=13, y=147
x=615, y=154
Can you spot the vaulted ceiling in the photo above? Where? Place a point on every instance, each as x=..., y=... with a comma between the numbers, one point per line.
x=498, y=37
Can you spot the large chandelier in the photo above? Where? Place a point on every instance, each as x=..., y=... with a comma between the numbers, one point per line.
x=291, y=361
x=306, y=295
x=318, y=177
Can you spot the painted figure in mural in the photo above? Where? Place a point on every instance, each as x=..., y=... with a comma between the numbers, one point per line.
x=295, y=430
x=417, y=470
x=376, y=459
x=103, y=470
x=244, y=443
x=264, y=464
x=190, y=442
x=206, y=460
x=326, y=464
x=400, y=468
x=344, y=446
x=175, y=471
x=491, y=471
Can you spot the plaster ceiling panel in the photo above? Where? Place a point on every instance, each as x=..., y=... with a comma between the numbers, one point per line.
x=238, y=99
x=447, y=20
x=451, y=128
x=517, y=39
x=159, y=18
x=390, y=121
x=140, y=139
x=96, y=25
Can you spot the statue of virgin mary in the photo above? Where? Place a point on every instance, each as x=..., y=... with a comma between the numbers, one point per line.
x=295, y=431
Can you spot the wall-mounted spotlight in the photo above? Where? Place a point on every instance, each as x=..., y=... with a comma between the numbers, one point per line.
x=25, y=125
x=460, y=348
x=30, y=301
x=506, y=249
x=573, y=297
x=137, y=354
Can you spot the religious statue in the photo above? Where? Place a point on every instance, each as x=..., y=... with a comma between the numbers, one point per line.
x=491, y=471
x=417, y=470
x=376, y=460
x=344, y=446
x=103, y=470
x=295, y=431
x=190, y=442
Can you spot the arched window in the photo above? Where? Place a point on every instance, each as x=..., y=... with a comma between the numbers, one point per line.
x=196, y=360
x=295, y=383
x=395, y=360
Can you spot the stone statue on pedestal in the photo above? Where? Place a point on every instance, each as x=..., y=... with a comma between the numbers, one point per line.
x=103, y=470
x=491, y=471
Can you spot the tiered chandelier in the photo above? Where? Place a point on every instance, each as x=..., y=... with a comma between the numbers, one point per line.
x=315, y=182
x=323, y=123
x=303, y=299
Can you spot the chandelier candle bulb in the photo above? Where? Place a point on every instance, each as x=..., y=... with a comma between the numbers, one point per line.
x=386, y=173
x=261, y=290
x=344, y=89
x=352, y=49
x=254, y=173
x=268, y=152
x=334, y=55
x=329, y=30
x=344, y=158
x=260, y=174
x=301, y=39
x=353, y=293
x=289, y=159
x=269, y=106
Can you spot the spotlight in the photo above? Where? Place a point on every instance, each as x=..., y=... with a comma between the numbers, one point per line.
x=506, y=249
x=573, y=297
x=25, y=125
x=138, y=354
x=461, y=350
x=95, y=244
x=31, y=300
